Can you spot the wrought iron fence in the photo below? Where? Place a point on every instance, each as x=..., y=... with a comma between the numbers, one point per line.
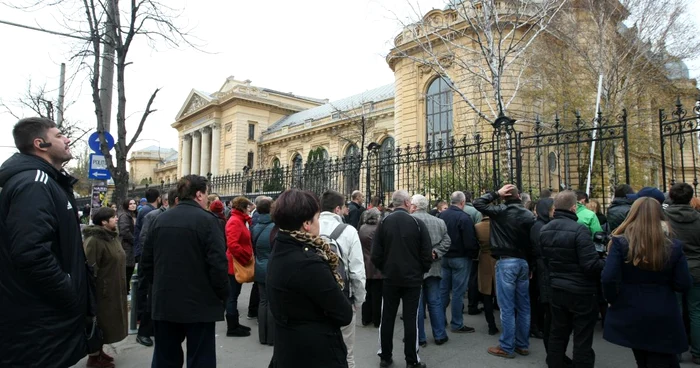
x=679, y=145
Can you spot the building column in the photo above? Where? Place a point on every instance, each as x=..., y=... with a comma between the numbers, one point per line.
x=205, y=159
x=196, y=151
x=186, y=154
x=215, y=148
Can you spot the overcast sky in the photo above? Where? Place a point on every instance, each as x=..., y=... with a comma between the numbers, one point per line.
x=317, y=48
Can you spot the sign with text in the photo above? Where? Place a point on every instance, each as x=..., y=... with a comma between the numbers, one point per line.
x=98, y=168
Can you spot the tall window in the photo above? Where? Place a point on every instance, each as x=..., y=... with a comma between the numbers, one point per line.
x=438, y=113
x=251, y=131
x=386, y=165
x=251, y=155
x=296, y=171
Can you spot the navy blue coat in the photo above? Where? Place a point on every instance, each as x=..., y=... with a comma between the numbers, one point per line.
x=644, y=311
x=460, y=228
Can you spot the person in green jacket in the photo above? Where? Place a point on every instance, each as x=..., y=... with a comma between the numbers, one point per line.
x=585, y=216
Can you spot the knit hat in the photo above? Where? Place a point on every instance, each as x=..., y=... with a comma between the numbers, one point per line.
x=217, y=207
x=648, y=192
x=143, y=200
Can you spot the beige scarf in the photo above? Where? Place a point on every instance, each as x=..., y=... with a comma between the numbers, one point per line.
x=321, y=248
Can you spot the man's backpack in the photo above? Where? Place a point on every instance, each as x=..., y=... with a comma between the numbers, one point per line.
x=342, y=269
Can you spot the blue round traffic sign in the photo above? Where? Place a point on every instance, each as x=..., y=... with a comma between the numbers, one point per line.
x=94, y=141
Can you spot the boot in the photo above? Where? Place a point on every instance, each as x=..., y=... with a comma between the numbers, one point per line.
x=96, y=361
x=233, y=328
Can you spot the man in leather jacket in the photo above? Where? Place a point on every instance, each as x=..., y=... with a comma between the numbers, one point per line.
x=510, y=245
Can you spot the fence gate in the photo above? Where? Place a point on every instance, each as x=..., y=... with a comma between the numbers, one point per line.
x=679, y=145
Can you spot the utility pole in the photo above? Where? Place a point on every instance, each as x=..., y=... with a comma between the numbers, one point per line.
x=61, y=95
x=107, y=75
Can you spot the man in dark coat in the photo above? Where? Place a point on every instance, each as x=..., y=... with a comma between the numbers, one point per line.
x=143, y=293
x=685, y=222
x=402, y=251
x=356, y=209
x=184, y=258
x=539, y=284
x=574, y=270
x=43, y=279
x=620, y=206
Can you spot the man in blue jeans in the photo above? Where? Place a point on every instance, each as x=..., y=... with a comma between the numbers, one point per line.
x=431, y=280
x=510, y=245
x=457, y=263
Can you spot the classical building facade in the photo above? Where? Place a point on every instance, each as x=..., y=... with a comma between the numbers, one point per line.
x=153, y=165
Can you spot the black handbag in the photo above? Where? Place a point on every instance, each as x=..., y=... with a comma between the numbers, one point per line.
x=93, y=333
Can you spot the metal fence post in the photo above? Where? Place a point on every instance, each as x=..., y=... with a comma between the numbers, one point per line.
x=133, y=329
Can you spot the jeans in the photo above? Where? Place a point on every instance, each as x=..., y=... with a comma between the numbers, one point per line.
x=577, y=313
x=431, y=295
x=512, y=284
x=392, y=295
x=232, y=301
x=201, y=345
x=455, y=278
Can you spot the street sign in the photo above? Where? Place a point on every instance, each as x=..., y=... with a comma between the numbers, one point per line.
x=94, y=141
x=98, y=168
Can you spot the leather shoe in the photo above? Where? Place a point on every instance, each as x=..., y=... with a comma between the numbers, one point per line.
x=144, y=340
x=441, y=341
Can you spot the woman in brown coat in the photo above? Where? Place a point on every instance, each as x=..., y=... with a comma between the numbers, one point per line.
x=372, y=307
x=104, y=252
x=487, y=271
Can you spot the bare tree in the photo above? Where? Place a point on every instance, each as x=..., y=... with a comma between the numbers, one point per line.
x=35, y=100
x=106, y=25
x=481, y=46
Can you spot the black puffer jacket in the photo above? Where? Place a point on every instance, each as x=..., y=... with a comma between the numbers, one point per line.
x=510, y=226
x=43, y=276
x=685, y=222
x=542, y=274
x=617, y=212
x=571, y=258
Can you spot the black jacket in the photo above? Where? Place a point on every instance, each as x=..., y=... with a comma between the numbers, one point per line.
x=460, y=228
x=685, y=222
x=184, y=257
x=510, y=226
x=308, y=306
x=617, y=212
x=541, y=274
x=138, y=239
x=402, y=249
x=355, y=214
x=43, y=276
x=571, y=258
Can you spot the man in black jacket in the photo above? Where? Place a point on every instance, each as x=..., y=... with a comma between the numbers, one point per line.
x=574, y=268
x=145, y=332
x=43, y=277
x=620, y=206
x=355, y=209
x=402, y=251
x=184, y=257
x=685, y=222
x=457, y=263
x=510, y=245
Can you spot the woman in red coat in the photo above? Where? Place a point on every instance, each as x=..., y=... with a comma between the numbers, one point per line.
x=239, y=245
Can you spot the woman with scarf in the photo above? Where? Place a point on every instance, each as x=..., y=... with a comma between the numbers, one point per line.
x=239, y=246
x=305, y=289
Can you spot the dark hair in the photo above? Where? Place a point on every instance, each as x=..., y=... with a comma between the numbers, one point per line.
x=188, y=186
x=581, y=195
x=293, y=207
x=532, y=205
x=125, y=204
x=172, y=195
x=622, y=190
x=152, y=195
x=545, y=193
x=681, y=193
x=29, y=129
x=331, y=199
x=468, y=196
x=264, y=205
x=376, y=201
x=103, y=214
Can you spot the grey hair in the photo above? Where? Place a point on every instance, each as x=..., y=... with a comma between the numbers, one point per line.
x=420, y=201
x=259, y=199
x=399, y=198
x=371, y=216
x=457, y=198
x=525, y=197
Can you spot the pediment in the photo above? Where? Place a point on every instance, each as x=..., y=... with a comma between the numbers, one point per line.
x=195, y=101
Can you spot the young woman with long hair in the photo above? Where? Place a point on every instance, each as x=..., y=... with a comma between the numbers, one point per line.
x=644, y=269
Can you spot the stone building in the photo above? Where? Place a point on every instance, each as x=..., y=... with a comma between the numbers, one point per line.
x=153, y=165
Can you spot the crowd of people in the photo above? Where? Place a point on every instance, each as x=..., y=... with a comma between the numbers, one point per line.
x=552, y=266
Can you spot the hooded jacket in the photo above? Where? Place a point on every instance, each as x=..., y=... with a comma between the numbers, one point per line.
x=349, y=242
x=588, y=218
x=262, y=245
x=685, y=222
x=541, y=270
x=617, y=212
x=43, y=276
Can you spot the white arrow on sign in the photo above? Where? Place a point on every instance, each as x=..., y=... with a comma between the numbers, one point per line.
x=98, y=174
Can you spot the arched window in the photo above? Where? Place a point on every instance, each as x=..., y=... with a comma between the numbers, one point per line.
x=438, y=114
x=275, y=162
x=318, y=154
x=352, y=162
x=386, y=165
x=297, y=170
